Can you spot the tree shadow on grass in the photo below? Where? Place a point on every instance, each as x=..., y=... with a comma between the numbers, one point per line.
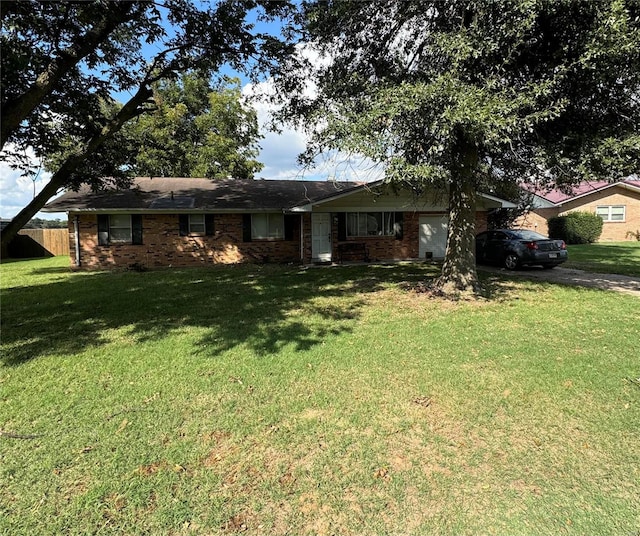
x=52, y=270
x=263, y=308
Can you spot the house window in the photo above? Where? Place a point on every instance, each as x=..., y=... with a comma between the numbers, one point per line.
x=370, y=224
x=119, y=229
x=196, y=224
x=611, y=212
x=267, y=226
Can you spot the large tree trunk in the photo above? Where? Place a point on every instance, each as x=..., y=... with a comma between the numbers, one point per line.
x=62, y=176
x=459, y=274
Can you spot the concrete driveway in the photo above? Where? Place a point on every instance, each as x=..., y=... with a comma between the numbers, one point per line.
x=570, y=276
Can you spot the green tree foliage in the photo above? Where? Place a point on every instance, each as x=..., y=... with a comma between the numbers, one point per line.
x=196, y=131
x=39, y=223
x=469, y=95
x=62, y=61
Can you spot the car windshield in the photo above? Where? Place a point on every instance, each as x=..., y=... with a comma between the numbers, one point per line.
x=528, y=235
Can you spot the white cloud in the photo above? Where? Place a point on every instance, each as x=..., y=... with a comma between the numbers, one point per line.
x=17, y=191
x=280, y=149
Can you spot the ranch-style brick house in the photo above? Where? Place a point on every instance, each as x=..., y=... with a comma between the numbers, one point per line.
x=163, y=222
x=617, y=203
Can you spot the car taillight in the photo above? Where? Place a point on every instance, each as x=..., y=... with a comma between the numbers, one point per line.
x=531, y=245
x=563, y=245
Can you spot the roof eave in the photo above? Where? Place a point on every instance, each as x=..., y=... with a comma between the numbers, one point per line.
x=345, y=193
x=502, y=202
x=116, y=210
x=622, y=184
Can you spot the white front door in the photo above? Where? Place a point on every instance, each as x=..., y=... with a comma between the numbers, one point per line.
x=433, y=236
x=321, y=237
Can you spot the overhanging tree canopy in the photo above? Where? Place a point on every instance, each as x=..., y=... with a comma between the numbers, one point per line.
x=62, y=61
x=466, y=95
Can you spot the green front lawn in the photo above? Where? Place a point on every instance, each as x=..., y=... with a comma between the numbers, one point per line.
x=606, y=257
x=275, y=400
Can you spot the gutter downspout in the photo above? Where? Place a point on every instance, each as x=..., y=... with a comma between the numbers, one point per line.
x=302, y=238
x=76, y=237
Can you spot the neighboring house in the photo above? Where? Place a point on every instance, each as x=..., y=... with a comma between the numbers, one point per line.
x=182, y=222
x=617, y=203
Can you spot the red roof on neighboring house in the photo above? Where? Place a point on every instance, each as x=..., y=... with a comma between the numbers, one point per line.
x=558, y=197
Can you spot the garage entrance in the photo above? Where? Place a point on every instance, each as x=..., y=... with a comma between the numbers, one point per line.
x=433, y=235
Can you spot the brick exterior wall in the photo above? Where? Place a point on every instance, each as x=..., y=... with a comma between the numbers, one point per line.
x=163, y=246
x=385, y=248
x=536, y=220
x=612, y=231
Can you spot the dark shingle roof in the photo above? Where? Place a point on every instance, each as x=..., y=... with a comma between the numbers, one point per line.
x=164, y=194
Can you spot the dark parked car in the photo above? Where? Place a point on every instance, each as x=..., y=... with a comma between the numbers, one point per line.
x=519, y=247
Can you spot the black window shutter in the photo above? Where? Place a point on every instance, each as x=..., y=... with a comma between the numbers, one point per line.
x=103, y=229
x=209, y=227
x=246, y=227
x=290, y=223
x=136, y=228
x=342, y=225
x=398, y=226
x=184, y=224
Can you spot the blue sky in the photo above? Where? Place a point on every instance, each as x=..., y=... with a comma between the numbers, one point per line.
x=278, y=154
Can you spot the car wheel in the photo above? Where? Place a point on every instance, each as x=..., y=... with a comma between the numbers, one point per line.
x=511, y=261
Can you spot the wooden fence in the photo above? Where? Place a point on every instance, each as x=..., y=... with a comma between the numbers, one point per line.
x=29, y=243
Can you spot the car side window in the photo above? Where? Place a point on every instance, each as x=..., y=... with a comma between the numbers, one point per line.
x=498, y=235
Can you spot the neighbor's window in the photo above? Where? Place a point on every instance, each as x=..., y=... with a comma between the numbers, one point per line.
x=611, y=212
x=196, y=224
x=265, y=226
x=119, y=228
x=370, y=224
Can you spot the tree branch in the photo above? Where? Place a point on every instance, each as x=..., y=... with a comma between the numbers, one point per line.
x=60, y=179
x=16, y=110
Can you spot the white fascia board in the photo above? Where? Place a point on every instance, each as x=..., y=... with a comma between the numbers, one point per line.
x=503, y=202
x=309, y=208
x=302, y=208
x=365, y=186
x=541, y=202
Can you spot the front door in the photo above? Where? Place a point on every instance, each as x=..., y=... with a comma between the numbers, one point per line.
x=433, y=236
x=321, y=237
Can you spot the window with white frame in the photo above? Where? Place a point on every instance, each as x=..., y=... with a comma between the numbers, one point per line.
x=611, y=212
x=119, y=228
x=361, y=224
x=267, y=226
x=197, y=224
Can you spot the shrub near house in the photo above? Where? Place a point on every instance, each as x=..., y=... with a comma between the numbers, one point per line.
x=576, y=227
x=616, y=203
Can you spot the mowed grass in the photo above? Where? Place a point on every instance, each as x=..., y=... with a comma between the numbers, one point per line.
x=606, y=257
x=275, y=400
